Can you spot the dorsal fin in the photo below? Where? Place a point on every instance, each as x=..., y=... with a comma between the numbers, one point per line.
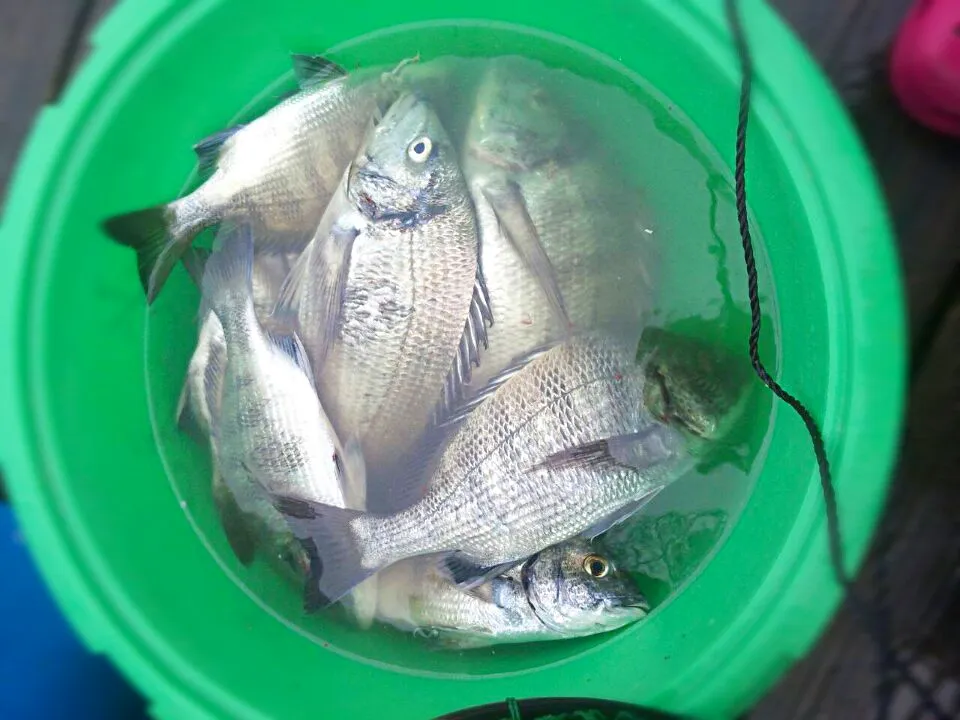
x=479, y=318
x=292, y=347
x=312, y=71
x=208, y=149
x=450, y=414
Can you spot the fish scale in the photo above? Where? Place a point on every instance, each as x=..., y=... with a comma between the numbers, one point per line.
x=277, y=172
x=383, y=350
x=489, y=501
x=270, y=433
x=589, y=227
x=416, y=596
x=383, y=292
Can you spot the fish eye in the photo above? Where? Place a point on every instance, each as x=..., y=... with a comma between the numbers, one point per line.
x=419, y=149
x=596, y=566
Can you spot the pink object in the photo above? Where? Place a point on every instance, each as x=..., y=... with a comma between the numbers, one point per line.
x=925, y=65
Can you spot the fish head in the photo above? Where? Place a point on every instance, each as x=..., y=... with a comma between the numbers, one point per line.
x=516, y=122
x=691, y=385
x=575, y=589
x=407, y=167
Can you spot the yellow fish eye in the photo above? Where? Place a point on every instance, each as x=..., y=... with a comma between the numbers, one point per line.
x=596, y=566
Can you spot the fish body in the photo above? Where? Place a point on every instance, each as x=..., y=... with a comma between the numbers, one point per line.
x=496, y=496
x=199, y=410
x=271, y=433
x=563, y=244
x=277, y=172
x=569, y=590
x=559, y=447
x=200, y=398
x=382, y=294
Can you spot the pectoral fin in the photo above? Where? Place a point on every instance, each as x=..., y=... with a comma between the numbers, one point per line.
x=325, y=265
x=467, y=574
x=290, y=345
x=510, y=208
x=645, y=448
x=312, y=71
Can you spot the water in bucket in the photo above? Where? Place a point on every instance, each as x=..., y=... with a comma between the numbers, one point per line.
x=679, y=198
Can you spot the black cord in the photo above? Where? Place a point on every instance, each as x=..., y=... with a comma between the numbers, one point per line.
x=874, y=622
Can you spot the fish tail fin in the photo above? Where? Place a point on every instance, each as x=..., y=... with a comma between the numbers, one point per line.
x=187, y=420
x=363, y=602
x=228, y=274
x=237, y=524
x=158, y=240
x=335, y=560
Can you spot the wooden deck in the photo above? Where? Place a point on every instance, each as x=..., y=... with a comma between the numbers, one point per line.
x=41, y=41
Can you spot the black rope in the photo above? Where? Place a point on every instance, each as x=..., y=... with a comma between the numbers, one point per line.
x=874, y=622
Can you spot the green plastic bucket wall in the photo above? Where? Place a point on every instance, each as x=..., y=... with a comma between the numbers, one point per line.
x=78, y=447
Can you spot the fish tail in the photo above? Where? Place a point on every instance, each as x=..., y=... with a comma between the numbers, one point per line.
x=158, y=239
x=236, y=523
x=335, y=560
x=228, y=274
x=363, y=602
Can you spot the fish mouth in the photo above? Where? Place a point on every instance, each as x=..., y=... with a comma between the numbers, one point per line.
x=361, y=177
x=414, y=210
x=503, y=147
x=630, y=605
x=492, y=157
x=669, y=413
x=370, y=174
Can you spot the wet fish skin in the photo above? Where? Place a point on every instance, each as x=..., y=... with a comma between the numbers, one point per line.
x=382, y=294
x=550, y=596
x=199, y=407
x=271, y=434
x=200, y=398
x=564, y=446
x=278, y=171
x=526, y=154
x=493, y=498
x=699, y=386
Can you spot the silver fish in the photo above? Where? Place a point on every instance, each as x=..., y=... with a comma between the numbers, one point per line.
x=563, y=243
x=568, y=590
x=200, y=397
x=561, y=445
x=382, y=294
x=272, y=434
x=278, y=171
x=199, y=408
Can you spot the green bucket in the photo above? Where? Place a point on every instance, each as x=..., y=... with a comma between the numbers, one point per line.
x=79, y=450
